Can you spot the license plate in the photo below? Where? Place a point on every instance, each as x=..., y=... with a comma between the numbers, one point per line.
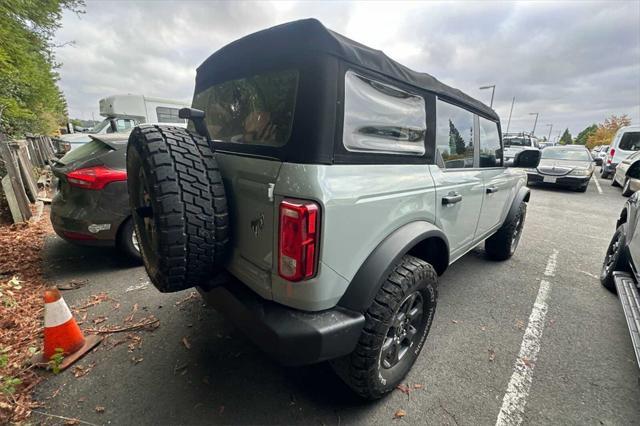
x=549, y=179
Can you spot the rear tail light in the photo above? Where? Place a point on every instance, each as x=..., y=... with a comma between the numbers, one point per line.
x=95, y=177
x=77, y=236
x=611, y=154
x=299, y=239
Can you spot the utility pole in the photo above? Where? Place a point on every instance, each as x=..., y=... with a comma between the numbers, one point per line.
x=493, y=92
x=533, y=132
x=513, y=101
x=550, y=126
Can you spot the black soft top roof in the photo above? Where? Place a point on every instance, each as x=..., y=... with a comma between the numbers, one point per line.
x=306, y=36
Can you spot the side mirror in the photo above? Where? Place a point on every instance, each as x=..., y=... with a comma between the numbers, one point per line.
x=197, y=117
x=528, y=158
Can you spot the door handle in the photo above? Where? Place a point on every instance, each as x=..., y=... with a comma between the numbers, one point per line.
x=451, y=198
x=492, y=190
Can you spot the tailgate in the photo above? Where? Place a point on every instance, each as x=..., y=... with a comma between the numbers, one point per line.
x=249, y=186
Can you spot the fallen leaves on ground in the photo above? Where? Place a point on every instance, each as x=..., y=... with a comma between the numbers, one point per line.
x=21, y=307
x=81, y=371
x=520, y=325
x=186, y=343
x=406, y=389
x=526, y=361
x=72, y=285
x=492, y=355
x=100, y=409
x=399, y=414
x=192, y=295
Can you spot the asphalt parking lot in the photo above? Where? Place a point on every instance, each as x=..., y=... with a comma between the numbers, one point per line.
x=194, y=368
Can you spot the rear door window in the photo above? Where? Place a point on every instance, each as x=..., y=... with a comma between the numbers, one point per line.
x=87, y=150
x=382, y=118
x=630, y=141
x=256, y=110
x=454, y=136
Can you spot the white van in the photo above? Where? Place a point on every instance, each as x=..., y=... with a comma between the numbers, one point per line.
x=122, y=113
x=516, y=142
x=624, y=143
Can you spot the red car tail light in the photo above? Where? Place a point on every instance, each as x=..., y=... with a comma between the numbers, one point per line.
x=299, y=239
x=77, y=236
x=611, y=154
x=95, y=177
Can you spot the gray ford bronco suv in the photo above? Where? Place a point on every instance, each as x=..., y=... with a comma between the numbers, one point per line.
x=319, y=191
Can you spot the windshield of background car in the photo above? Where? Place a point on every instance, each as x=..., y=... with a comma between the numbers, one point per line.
x=516, y=142
x=100, y=126
x=566, y=154
x=256, y=110
x=630, y=141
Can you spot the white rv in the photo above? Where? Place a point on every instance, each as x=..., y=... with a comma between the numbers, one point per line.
x=124, y=112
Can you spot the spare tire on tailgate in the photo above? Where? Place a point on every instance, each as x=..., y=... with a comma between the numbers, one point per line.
x=178, y=206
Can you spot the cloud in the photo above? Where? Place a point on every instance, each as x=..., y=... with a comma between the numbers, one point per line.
x=573, y=62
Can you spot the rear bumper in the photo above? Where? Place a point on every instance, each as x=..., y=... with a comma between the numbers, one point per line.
x=630, y=300
x=568, y=181
x=609, y=167
x=290, y=336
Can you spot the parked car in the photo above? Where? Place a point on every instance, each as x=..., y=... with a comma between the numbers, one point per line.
x=599, y=154
x=122, y=113
x=567, y=166
x=516, y=142
x=91, y=204
x=624, y=143
x=627, y=174
x=310, y=203
x=621, y=265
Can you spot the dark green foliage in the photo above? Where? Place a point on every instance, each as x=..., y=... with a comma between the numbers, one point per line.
x=30, y=100
x=582, y=137
x=566, y=138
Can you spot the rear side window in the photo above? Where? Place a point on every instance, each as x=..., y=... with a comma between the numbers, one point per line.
x=630, y=141
x=87, y=150
x=490, y=149
x=454, y=136
x=382, y=118
x=256, y=110
x=168, y=115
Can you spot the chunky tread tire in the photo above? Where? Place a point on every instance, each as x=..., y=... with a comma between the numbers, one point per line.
x=362, y=369
x=619, y=261
x=614, y=182
x=499, y=246
x=186, y=237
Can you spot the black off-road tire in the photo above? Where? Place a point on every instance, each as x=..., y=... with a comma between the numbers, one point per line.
x=178, y=204
x=125, y=241
x=615, y=259
x=502, y=245
x=603, y=174
x=412, y=281
x=614, y=182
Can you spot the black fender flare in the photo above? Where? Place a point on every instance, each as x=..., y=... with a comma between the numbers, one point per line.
x=523, y=195
x=376, y=268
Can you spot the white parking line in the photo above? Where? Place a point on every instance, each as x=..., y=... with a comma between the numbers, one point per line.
x=517, y=392
x=595, y=179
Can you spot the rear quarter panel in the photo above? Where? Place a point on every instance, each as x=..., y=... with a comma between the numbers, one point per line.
x=361, y=205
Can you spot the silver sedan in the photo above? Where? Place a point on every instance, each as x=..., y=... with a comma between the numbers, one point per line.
x=627, y=174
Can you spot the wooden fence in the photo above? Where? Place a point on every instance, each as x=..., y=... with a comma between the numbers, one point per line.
x=24, y=160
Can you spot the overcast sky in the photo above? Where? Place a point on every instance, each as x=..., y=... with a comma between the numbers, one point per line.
x=573, y=62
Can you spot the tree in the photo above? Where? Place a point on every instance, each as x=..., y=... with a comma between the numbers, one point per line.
x=607, y=130
x=566, y=138
x=456, y=143
x=30, y=100
x=582, y=137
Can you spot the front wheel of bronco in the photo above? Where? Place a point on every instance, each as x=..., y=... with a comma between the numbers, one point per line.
x=178, y=206
x=396, y=327
x=502, y=245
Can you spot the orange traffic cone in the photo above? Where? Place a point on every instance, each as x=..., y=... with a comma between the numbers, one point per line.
x=61, y=332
